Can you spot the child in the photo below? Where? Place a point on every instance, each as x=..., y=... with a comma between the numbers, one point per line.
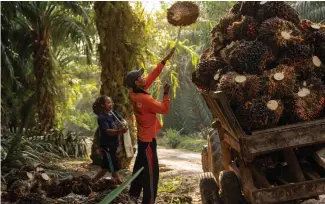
x=108, y=137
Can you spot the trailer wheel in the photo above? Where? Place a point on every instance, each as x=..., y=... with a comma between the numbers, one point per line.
x=230, y=188
x=205, y=158
x=209, y=189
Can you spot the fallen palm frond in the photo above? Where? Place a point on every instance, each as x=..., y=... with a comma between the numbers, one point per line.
x=52, y=146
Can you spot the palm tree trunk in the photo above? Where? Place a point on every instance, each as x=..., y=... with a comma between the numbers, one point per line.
x=116, y=24
x=45, y=83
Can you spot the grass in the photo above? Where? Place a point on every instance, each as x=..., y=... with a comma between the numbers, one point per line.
x=172, y=139
x=192, y=144
x=170, y=186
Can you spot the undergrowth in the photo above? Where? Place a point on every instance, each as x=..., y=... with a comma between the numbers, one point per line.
x=170, y=186
x=173, y=139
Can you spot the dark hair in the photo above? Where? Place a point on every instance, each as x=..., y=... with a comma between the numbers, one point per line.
x=98, y=104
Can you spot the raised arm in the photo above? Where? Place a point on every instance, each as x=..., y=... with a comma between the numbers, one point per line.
x=156, y=106
x=155, y=73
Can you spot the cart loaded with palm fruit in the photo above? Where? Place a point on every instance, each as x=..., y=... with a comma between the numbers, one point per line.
x=263, y=79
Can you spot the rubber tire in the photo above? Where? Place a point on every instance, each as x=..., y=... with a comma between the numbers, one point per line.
x=230, y=188
x=205, y=158
x=209, y=189
x=217, y=165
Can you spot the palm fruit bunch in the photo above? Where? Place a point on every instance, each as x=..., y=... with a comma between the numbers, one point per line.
x=295, y=54
x=268, y=62
x=245, y=29
x=60, y=188
x=246, y=8
x=310, y=68
x=221, y=29
x=259, y=114
x=239, y=88
x=226, y=52
x=278, y=33
x=43, y=181
x=103, y=184
x=281, y=81
x=250, y=57
x=208, y=69
x=309, y=99
x=315, y=37
x=279, y=9
x=81, y=185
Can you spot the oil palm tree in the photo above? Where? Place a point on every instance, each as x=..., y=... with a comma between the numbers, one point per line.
x=48, y=24
x=29, y=32
x=121, y=35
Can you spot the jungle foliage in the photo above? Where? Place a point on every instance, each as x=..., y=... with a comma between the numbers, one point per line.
x=57, y=57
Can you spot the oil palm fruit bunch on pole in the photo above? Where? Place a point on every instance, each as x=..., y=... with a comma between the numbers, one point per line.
x=269, y=63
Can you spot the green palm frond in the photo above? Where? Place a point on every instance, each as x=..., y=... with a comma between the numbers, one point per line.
x=191, y=50
x=28, y=13
x=63, y=27
x=40, y=16
x=15, y=52
x=76, y=9
x=6, y=61
x=312, y=10
x=174, y=80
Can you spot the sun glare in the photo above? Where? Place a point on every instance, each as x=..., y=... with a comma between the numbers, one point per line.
x=151, y=6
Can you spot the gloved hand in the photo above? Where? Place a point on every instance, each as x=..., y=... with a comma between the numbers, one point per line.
x=166, y=89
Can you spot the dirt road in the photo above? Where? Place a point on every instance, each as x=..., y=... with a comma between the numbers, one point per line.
x=186, y=166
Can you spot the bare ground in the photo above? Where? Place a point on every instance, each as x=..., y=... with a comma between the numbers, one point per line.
x=184, y=164
x=179, y=171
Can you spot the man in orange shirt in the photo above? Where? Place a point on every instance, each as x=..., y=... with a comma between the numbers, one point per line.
x=145, y=108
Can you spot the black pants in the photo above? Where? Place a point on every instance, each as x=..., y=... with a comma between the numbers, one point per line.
x=148, y=179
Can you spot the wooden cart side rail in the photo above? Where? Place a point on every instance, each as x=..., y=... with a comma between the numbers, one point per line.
x=296, y=126
x=223, y=106
x=226, y=136
x=289, y=192
x=217, y=113
x=309, y=133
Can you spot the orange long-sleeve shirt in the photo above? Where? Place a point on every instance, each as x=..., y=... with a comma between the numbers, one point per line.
x=145, y=108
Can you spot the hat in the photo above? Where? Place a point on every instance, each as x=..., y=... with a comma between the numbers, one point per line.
x=131, y=77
